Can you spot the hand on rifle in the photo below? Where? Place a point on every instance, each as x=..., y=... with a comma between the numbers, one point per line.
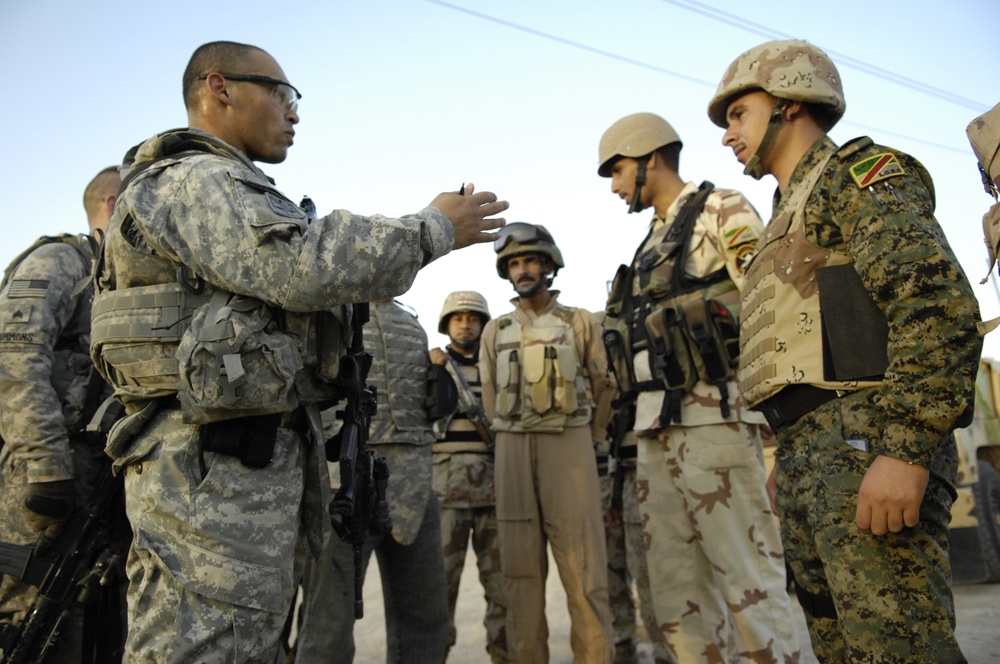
x=47, y=506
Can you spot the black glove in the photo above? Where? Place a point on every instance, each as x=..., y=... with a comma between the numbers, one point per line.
x=47, y=506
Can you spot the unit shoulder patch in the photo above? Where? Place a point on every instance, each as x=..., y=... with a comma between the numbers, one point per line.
x=870, y=170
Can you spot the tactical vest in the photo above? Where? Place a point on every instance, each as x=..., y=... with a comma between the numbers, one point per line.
x=686, y=324
x=459, y=433
x=541, y=382
x=781, y=332
x=159, y=330
x=400, y=372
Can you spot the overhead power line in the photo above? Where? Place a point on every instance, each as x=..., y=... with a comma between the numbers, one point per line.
x=732, y=20
x=846, y=60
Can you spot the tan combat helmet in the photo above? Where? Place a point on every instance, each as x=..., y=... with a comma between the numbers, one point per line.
x=984, y=135
x=635, y=136
x=523, y=238
x=790, y=69
x=461, y=301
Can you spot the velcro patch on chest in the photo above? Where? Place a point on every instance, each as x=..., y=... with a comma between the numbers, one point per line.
x=284, y=207
x=875, y=169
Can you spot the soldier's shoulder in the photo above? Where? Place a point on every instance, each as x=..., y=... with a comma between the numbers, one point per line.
x=860, y=163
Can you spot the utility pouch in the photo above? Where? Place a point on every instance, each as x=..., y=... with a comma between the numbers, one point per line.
x=508, y=383
x=619, y=288
x=249, y=439
x=710, y=356
x=538, y=377
x=235, y=362
x=670, y=362
x=564, y=363
x=668, y=346
x=619, y=360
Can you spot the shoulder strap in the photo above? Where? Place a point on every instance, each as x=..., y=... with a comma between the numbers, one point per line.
x=683, y=228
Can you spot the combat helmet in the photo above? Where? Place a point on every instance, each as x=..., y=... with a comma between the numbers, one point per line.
x=984, y=135
x=460, y=301
x=523, y=238
x=635, y=136
x=790, y=69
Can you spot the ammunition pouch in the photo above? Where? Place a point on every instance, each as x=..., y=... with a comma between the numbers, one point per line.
x=696, y=339
x=620, y=361
x=550, y=379
x=235, y=362
x=508, y=383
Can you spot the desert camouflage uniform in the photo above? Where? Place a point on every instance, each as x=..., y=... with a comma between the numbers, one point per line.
x=211, y=567
x=714, y=552
x=548, y=491
x=410, y=560
x=891, y=594
x=627, y=561
x=47, y=381
x=463, y=482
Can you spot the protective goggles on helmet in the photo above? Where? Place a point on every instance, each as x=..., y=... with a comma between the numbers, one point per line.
x=522, y=233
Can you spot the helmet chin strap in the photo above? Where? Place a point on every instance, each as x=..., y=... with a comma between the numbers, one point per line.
x=640, y=179
x=754, y=168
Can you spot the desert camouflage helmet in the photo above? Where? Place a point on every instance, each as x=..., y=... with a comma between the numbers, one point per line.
x=984, y=135
x=788, y=69
x=460, y=301
x=523, y=238
x=635, y=136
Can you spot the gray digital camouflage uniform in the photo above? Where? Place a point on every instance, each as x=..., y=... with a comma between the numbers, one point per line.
x=211, y=567
x=891, y=594
x=410, y=560
x=45, y=376
x=463, y=482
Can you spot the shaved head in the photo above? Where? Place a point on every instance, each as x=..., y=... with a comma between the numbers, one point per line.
x=220, y=56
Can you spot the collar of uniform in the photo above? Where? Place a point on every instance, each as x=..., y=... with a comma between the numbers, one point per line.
x=819, y=150
x=690, y=189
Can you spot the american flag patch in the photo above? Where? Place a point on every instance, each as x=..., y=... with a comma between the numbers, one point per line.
x=28, y=288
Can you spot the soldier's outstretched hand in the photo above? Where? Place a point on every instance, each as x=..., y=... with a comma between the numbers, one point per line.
x=469, y=214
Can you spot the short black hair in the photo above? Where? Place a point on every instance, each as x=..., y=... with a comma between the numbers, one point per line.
x=670, y=154
x=221, y=56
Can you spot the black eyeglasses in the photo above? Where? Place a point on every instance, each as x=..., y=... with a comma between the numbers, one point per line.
x=522, y=233
x=284, y=93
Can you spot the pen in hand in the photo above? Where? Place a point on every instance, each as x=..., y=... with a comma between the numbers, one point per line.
x=461, y=190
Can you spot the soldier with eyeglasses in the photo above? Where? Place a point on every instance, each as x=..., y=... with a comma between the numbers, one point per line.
x=219, y=318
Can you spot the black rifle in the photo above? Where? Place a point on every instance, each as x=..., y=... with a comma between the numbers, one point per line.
x=81, y=567
x=623, y=419
x=359, y=508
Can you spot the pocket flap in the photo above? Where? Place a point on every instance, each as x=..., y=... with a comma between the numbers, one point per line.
x=534, y=363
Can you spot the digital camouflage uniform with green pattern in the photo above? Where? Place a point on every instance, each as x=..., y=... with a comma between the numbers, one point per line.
x=892, y=594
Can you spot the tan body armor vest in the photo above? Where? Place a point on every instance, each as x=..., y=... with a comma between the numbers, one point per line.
x=542, y=385
x=781, y=335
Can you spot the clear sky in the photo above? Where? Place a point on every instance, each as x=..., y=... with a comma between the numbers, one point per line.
x=407, y=98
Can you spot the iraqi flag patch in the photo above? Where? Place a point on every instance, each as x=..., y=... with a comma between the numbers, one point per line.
x=875, y=169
